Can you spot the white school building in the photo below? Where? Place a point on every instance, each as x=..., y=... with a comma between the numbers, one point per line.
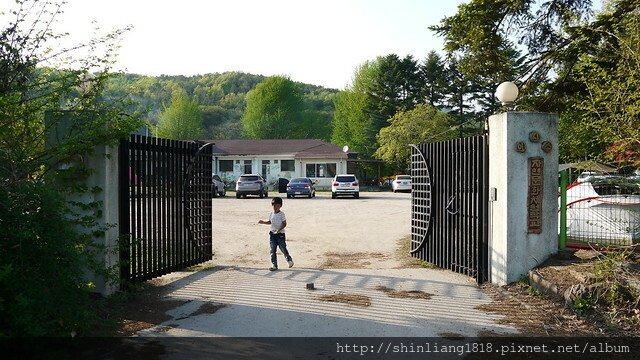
x=279, y=158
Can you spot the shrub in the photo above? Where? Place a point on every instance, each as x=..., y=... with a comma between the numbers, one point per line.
x=42, y=257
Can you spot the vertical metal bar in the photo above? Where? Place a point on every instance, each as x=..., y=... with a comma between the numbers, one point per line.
x=174, y=208
x=164, y=203
x=459, y=200
x=435, y=188
x=183, y=163
x=469, y=188
x=484, y=253
x=144, y=265
x=151, y=243
x=564, y=181
x=155, y=217
x=175, y=217
x=460, y=265
x=210, y=165
x=477, y=238
x=446, y=235
x=139, y=204
x=442, y=185
x=476, y=254
x=123, y=204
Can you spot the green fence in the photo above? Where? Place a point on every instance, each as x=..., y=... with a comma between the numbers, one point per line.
x=602, y=210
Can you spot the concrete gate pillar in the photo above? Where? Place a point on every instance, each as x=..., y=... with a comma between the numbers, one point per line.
x=103, y=161
x=523, y=192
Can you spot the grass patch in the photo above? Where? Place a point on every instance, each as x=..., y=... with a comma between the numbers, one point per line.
x=403, y=294
x=350, y=299
x=209, y=265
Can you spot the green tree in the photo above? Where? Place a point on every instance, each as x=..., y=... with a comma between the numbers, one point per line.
x=395, y=86
x=43, y=255
x=610, y=74
x=352, y=124
x=274, y=110
x=422, y=124
x=434, y=79
x=181, y=120
x=482, y=30
x=380, y=89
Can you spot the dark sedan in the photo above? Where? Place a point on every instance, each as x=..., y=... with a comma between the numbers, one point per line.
x=301, y=187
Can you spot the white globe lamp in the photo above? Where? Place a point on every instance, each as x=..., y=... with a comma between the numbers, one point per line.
x=507, y=93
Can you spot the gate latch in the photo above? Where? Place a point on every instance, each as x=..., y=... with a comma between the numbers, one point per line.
x=493, y=194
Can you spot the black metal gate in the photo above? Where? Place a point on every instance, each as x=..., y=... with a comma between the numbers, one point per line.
x=165, y=206
x=449, y=198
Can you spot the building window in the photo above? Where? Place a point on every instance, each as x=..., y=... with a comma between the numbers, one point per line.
x=321, y=170
x=247, y=167
x=275, y=161
x=237, y=161
x=287, y=165
x=225, y=165
x=265, y=169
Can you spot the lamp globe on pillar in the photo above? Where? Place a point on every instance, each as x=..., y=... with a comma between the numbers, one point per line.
x=507, y=93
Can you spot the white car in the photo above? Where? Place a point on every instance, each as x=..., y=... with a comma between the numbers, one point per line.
x=401, y=183
x=346, y=184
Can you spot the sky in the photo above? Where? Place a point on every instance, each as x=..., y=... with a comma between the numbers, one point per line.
x=319, y=42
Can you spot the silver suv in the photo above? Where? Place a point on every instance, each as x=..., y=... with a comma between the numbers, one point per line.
x=346, y=184
x=251, y=184
x=218, y=186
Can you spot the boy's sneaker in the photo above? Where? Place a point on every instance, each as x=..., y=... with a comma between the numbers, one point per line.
x=273, y=268
x=290, y=263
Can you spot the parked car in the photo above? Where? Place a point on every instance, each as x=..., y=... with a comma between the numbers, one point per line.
x=401, y=183
x=218, y=186
x=301, y=186
x=251, y=184
x=587, y=176
x=346, y=184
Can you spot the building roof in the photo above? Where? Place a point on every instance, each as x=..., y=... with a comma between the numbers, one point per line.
x=587, y=165
x=299, y=148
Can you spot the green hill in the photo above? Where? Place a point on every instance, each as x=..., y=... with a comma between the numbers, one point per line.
x=221, y=97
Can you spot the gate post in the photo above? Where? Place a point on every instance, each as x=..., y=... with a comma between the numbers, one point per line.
x=104, y=162
x=104, y=200
x=523, y=182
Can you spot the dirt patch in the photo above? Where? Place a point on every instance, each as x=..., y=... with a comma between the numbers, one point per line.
x=548, y=313
x=403, y=294
x=356, y=260
x=451, y=336
x=350, y=299
x=534, y=315
x=403, y=254
x=130, y=327
x=567, y=272
x=143, y=309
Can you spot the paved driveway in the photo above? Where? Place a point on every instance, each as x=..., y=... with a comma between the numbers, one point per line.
x=349, y=249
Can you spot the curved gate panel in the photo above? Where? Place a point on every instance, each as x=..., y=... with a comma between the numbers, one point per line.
x=449, y=198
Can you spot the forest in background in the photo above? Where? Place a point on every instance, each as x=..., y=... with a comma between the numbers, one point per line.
x=221, y=98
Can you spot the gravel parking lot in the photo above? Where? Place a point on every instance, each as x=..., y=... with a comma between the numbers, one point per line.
x=321, y=232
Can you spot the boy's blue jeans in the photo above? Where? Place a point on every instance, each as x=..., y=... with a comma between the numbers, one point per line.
x=278, y=240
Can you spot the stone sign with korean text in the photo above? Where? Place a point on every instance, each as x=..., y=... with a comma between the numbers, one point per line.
x=534, y=198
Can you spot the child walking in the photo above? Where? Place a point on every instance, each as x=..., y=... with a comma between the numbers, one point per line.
x=278, y=222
